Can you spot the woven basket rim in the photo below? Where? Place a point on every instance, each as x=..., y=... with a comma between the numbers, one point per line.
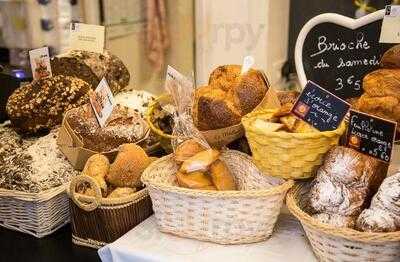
x=253, y=115
x=347, y=233
x=34, y=197
x=212, y=193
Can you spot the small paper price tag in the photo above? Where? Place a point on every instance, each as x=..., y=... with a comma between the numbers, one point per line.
x=87, y=37
x=320, y=108
x=177, y=82
x=102, y=102
x=248, y=62
x=371, y=135
x=390, y=31
x=40, y=63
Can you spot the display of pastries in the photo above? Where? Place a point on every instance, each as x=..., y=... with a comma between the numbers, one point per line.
x=227, y=97
x=344, y=185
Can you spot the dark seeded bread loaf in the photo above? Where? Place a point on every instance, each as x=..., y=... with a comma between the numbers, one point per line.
x=92, y=67
x=40, y=105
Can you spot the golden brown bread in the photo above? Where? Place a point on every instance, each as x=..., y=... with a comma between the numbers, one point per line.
x=194, y=180
x=382, y=94
x=121, y=192
x=200, y=161
x=390, y=58
x=97, y=167
x=221, y=176
x=128, y=166
x=228, y=96
x=187, y=149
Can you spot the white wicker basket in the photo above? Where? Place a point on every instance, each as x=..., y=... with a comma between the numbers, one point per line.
x=224, y=217
x=332, y=244
x=37, y=214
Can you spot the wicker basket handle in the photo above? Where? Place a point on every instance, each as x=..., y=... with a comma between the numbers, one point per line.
x=87, y=203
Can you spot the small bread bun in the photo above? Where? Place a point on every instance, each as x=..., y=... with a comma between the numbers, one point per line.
x=195, y=180
x=200, y=161
x=97, y=167
x=128, y=166
x=121, y=192
x=221, y=176
x=187, y=149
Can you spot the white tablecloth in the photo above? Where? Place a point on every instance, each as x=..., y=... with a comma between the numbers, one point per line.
x=145, y=243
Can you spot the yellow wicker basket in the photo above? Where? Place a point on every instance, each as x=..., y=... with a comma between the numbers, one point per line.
x=288, y=155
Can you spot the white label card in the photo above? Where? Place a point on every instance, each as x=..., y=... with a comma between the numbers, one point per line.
x=248, y=62
x=390, y=32
x=102, y=101
x=87, y=37
x=40, y=63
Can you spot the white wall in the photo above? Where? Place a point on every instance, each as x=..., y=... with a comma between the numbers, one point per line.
x=226, y=31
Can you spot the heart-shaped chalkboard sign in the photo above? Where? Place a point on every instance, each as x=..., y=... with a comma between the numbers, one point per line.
x=336, y=52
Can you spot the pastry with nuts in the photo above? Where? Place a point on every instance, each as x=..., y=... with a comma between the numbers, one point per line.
x=40, y=105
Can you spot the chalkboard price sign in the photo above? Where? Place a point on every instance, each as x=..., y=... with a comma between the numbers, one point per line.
x=371, y=135
x=336, y=52
x=320, y=108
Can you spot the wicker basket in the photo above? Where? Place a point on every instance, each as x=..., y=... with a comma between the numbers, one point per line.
x=342, y=244
x=97, y=221
x=288, y=155
x=36, y=214
x=216, y=138
x=224, y=217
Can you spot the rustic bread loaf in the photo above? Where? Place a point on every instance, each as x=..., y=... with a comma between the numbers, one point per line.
x=344, y=185
x=123, y=126
x=92, y=67
x=41, y=104
x=228, y=96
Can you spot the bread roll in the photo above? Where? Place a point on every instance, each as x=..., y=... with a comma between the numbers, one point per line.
x=390, y=58
x=128, y=166
x=200, y=162
x=221, y=176
x=384, y=213
x=345, y=183
x=121, y=192
x=97, y=167
x=187, y=149
x=228, y=96
x=194, y=180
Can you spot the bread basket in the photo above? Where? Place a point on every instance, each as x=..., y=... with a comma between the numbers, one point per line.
x=341, y=244
x=37, y=214
x=97, y=221
x=288, y=155
x=224, y=217
x=216, y=138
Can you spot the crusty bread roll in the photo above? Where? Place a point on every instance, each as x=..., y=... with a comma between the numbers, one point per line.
x=384, y=213
x=128, y=166
x=194, y=180
x=221, y=176
x=200, y=161
x=97, y=167
x=228, y=96
x=187, y=149
x=121, y=192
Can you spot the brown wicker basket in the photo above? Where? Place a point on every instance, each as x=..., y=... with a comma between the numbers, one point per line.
x=97, y=221
x=334, y=244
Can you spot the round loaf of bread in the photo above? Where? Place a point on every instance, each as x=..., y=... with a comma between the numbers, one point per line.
x=40, y=105
x=123, y=126
x=128, y=166
x=228, y=96
x=92, y=67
